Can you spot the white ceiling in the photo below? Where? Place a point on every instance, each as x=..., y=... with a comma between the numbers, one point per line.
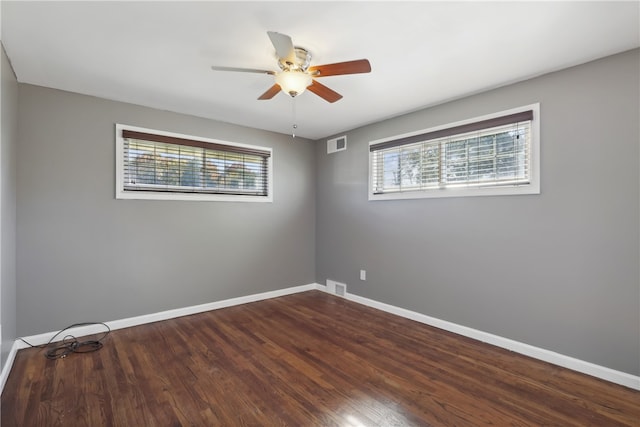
x=159, y=54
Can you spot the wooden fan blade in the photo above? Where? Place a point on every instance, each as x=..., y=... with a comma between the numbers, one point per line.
x=324, y=92
x=271, y=92
x=283, y=45
x=243, y=70
x=339, y=68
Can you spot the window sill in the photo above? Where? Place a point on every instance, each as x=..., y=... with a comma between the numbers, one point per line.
x=533, y=188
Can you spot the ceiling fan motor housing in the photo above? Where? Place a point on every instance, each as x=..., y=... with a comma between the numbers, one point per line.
x=301, y=61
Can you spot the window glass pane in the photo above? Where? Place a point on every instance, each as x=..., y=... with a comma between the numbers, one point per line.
x=504, y=143
x=191, y=162
x=391, y=169
x=141, y=164
x=430, y=165
x=456, y=161
x=410, y=164
x=253, y=166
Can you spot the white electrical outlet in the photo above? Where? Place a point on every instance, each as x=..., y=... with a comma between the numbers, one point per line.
x=363, y=274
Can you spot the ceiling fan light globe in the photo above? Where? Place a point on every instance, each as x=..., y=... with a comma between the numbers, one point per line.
x=293, y=83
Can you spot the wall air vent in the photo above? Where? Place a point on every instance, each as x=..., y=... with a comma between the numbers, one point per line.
x=336, y=288
x=337, y=144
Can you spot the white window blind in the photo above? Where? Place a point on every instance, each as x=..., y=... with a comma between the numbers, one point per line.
x=160, y=163
x=488, y=153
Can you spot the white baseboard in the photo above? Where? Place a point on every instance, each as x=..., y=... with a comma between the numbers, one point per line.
x=602, y=372
x=578, y=365
x=8, y=365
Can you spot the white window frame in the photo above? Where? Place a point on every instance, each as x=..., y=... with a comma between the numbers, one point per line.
x=121, y=193
x=533, y=187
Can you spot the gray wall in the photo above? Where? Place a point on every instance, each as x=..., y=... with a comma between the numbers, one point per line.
x=557, y=270
x=85, y=256
x=8, y=142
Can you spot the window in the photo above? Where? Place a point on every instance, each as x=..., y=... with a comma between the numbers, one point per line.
x=161, y=165
x=490, y=155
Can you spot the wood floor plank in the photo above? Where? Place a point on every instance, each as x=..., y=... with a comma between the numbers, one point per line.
x=309, y=359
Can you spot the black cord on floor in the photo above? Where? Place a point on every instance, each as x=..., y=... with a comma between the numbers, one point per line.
x=70, y=344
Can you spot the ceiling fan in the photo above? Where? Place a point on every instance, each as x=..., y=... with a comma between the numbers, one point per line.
x=296, y=74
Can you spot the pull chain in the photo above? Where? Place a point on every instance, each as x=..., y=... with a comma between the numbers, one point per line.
x=293, y=114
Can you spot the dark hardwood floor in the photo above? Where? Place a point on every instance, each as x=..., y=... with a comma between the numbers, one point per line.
x=308, y=359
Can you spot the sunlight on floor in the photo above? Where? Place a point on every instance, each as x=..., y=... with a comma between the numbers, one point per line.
x=371, y=412
x=353, y=422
